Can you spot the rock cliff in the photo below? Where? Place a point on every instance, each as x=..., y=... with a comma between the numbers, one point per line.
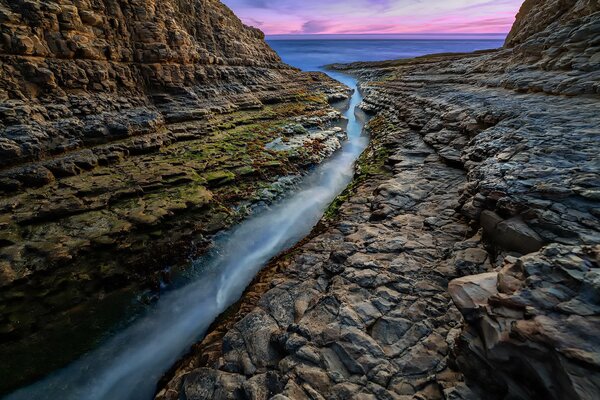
x=128, y=131
x=463, y=262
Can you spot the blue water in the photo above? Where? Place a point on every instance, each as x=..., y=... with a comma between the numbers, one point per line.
x=128, y=365
x=311, y=55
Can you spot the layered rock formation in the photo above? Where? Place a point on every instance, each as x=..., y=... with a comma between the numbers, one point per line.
x=128, y=131
x=360, y=310
x=479, y=197
x=532, y=329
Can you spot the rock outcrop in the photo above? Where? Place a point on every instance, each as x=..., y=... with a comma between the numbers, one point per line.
x=128, y=131
x=532, y=329
x=478, y=199
x=360, y=310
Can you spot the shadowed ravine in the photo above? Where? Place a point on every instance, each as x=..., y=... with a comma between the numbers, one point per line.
x=128, y=365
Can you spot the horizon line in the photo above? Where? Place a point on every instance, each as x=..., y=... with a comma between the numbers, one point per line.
x=378, y=34
x=384, y=36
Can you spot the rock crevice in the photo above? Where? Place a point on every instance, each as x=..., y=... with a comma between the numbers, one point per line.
x=463, y=263
x=130, y=132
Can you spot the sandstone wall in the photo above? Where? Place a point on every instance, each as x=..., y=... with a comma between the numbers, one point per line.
x=76, y=74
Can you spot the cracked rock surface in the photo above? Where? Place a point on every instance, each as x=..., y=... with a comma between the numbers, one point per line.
x=361, y=311
x=463, y=263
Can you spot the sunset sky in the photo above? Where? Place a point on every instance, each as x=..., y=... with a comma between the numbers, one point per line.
x=377, y=16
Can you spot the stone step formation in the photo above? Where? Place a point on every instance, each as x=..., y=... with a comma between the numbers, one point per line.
x=464, y=261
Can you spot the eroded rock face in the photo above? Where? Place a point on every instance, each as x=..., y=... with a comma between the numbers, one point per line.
x=473, y=291
x=537, y=18
x=360, y=311
x=535, y=327
x=481, y=184
x=128, y=130
x=503, y=117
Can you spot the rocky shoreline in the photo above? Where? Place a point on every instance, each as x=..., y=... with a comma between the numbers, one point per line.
x=130, y=133
x=464, y=262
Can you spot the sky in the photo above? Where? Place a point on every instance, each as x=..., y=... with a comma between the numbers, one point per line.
x=377, y=16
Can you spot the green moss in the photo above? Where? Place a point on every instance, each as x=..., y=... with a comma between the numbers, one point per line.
x=196, y=196
x=334, y=208
x=312, y=97
x=274, y=163
x=245, y=171
x=219, y=178
x=370, y=163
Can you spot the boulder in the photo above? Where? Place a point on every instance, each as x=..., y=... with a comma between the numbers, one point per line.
x=512, y=234
x=472, y=292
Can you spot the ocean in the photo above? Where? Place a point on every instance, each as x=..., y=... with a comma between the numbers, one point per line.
x=311, y=54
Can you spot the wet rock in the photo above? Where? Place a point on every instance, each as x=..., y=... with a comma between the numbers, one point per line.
x=475, y=152
x=538, y=318
x=377, y=321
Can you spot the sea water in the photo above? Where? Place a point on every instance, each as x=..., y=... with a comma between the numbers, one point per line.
x=310, y=53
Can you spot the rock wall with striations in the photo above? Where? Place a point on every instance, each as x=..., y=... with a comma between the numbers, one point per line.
x=558, y=36
x=464, y=262
x=77, y=74
x=538, y=18
x=128, y=131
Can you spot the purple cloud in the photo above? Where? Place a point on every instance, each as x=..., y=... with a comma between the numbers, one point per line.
x=377, y=16
x=315, y=26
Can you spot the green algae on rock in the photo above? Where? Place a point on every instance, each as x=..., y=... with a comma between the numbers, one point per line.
x=129, y=132
x=470, y=268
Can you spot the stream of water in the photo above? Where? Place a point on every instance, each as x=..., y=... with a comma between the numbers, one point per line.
x=129, y=365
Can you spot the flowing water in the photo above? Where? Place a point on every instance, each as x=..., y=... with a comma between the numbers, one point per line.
x=128, y=365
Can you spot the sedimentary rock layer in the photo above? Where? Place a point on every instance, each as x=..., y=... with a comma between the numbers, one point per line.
x=360, y=310
x=128, y=131
x=487, y=206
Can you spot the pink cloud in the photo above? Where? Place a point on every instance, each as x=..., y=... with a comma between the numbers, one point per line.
x=377, y=16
